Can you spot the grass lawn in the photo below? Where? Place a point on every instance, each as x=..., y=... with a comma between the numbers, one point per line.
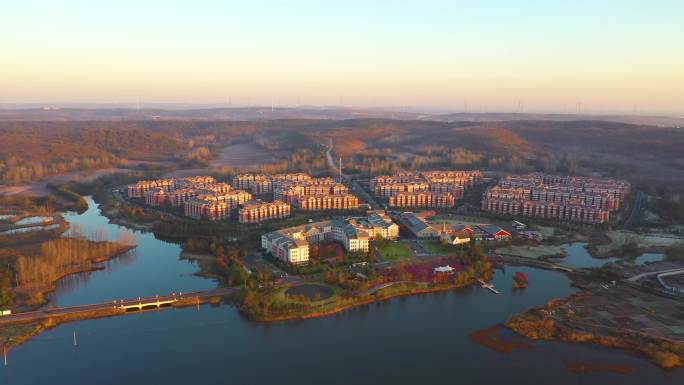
x=393, y=251
x=531, y=251
x=436, y=247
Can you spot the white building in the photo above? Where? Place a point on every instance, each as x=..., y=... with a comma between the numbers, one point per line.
x=292, y=244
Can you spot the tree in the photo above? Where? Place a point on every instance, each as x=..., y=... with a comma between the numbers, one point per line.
x=237, y=275
x=6, y=292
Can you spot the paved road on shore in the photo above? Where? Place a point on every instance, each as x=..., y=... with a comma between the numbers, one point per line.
x=46, y=313
x=634, y=215
x=353, y=185
x=650, y=273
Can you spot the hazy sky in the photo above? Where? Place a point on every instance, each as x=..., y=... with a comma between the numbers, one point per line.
x=610, y=56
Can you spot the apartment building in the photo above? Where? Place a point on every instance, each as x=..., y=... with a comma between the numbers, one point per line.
x=438, y=189
x=215, y=206
x=422, y=199
x=289, y=191
x=183, y=193
x=138, y=189
x=328, y=202
x=257, y=211
x=263, y=184
x=564, y=198
x=206, y=208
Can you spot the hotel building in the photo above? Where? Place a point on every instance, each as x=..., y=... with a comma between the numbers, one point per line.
x=292, y=244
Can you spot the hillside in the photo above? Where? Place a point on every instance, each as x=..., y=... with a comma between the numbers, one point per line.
x=641, y=153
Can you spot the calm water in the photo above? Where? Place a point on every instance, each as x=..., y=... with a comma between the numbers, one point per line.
x=578, y=256
x=420, y=339
x=154, y=267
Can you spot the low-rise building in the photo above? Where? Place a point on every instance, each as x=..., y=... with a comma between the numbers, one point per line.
x=418, y=226
x=489, y=232
x=454, y=235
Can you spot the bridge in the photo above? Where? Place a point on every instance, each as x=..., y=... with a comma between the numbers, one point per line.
x=119, y=307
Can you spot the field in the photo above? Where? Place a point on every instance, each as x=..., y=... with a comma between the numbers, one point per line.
x=393, y=251
x=40, y=188
x=243, y=155
x=531, y=251
x=436, y=247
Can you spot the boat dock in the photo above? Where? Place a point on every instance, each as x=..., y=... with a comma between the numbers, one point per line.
x=489, y=286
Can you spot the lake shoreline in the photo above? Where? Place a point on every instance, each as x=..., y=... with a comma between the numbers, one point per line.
x=310, y=313
x=553, y=322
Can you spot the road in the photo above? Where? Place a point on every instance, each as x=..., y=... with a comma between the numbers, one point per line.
x=650, y=273
x=634, y=215
x=353, y=185
x=46, y=313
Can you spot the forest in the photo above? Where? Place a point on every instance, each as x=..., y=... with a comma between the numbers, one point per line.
x=644, y=154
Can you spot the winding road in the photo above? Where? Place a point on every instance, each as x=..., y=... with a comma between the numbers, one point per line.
x=353, y=185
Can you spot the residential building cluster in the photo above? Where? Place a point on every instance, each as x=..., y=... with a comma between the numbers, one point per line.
x=300, y=190
x=451, y=233
x=257, y=211
x=201, y=197
x=292, y=244
x=263, y=184
x=138, y=190
x=438, y=189
x=564, y=198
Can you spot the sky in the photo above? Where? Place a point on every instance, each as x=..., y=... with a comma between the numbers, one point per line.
x=480, y=56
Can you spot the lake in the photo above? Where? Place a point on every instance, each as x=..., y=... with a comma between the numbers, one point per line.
x=419, y=339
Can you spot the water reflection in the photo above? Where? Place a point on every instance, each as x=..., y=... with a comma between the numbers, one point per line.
x=154, y=268
x=409, y=340
x=577, y=256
